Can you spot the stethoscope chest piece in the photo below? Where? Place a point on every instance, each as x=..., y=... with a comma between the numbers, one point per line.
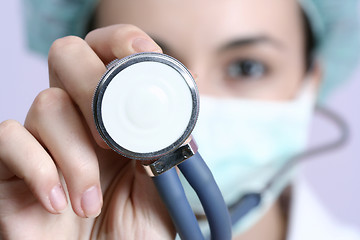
x=146, y=105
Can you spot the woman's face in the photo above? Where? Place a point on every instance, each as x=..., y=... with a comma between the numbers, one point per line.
x=237, y=48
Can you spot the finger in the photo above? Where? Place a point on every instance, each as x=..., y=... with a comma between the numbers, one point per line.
x=74, y=67
x=24, y=157
x=118, y=41
x=54, y=120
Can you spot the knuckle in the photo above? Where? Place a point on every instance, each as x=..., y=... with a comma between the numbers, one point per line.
x=64, y=46
x=44, y=174
x=43, y=170
x=51, y=100
x=123, y=33
x=118, y=32
x=66, y=42
x=7, y=128
x=83, y=171
x=129, y=28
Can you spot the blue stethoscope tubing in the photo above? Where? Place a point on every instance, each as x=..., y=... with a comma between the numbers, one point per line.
x=202, y=181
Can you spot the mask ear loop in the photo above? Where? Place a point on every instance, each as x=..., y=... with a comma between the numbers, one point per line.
x=251, y=200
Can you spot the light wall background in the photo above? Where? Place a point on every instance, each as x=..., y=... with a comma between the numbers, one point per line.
x=335, y=176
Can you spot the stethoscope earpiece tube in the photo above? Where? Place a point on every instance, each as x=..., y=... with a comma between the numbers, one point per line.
x=202, y=181
x=172, y=193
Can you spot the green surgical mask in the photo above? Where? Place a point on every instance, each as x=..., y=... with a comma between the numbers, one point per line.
x=245, y=143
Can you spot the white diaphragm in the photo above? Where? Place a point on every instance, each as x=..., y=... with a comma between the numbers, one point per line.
x=145, y=105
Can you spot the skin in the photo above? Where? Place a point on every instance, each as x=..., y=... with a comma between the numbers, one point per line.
x=203, y=36
x=58, y=150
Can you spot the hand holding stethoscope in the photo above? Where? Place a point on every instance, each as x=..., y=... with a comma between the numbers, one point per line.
x=145, y=108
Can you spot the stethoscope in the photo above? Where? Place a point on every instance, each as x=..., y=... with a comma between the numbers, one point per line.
x=145, y=108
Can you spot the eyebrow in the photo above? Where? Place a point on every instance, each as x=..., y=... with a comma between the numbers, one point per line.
x=240, y=42
x=243, y=42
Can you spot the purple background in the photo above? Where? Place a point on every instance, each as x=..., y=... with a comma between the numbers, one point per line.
x=335, y=176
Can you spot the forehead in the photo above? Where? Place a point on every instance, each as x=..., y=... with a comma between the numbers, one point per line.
x=213, y=20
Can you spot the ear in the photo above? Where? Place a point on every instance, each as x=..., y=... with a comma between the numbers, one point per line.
x=315, y=74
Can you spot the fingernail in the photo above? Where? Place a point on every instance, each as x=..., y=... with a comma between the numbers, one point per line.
x=91, y=202
x=145, y=45
x=58, y=199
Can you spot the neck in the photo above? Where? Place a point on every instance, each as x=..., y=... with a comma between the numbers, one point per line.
x=272, y=226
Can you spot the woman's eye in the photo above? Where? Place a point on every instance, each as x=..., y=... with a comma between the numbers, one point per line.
x=246, y=69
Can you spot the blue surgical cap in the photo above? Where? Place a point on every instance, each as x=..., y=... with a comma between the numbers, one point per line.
x=335, y=25
x=47, y=20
